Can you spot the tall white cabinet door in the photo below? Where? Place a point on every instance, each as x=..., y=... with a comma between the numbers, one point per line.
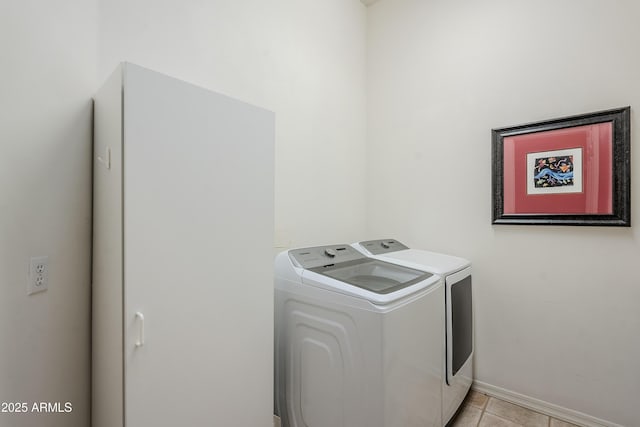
x=198, y=235
x=107, y=362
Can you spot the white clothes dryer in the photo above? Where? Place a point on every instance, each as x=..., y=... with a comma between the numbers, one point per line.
x=458, y=330
x=357, y=341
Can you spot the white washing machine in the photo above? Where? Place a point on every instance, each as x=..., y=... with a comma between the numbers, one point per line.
x=358, y=341
x=458, y=332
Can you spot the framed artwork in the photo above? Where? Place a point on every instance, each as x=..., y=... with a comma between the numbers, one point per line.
x=568, y=171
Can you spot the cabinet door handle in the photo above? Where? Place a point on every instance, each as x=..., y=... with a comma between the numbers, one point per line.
x=140, y=341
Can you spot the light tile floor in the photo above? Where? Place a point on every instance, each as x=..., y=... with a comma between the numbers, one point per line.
x=480, y=410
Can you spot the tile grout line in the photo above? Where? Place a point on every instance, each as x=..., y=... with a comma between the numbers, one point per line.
x=484, y=407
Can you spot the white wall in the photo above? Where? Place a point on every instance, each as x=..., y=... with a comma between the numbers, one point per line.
x=48, y=65
x=557, y=308
x=441, y=75
x=303, y=59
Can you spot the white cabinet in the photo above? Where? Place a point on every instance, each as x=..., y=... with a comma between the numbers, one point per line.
x=183, y=235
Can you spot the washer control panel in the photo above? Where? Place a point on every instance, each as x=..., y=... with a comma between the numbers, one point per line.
x=320, y=256
x=382, y=246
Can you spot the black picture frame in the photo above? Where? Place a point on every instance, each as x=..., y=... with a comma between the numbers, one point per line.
x=620, y=192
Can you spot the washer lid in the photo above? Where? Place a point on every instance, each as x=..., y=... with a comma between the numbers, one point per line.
x=373, y=275
x=376, y=279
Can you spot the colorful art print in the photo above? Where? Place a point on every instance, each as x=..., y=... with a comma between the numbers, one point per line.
x=554, y=172
x=566, y=171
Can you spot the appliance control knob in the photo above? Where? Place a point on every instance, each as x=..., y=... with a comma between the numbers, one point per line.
x=330, y=253
x=385, y=245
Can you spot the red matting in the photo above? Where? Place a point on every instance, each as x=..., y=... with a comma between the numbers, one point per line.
x=596, y=196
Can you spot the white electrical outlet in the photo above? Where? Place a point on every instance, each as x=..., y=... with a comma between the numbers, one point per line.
x=38, y=275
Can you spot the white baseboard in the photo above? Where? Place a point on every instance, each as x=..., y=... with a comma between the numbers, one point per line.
x=276, y=421
x=541, y=406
